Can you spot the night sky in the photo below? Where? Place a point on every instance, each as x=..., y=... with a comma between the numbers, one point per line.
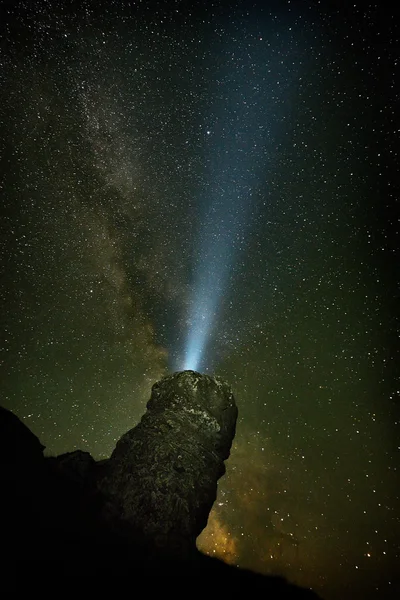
x=215, y=180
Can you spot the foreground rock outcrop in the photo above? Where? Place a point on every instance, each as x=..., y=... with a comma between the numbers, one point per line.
x=133, y=519
x=161, y=479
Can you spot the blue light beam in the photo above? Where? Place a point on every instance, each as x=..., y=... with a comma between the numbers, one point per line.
x=247, y=91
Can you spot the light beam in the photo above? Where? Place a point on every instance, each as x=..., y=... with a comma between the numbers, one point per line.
x=247, y=89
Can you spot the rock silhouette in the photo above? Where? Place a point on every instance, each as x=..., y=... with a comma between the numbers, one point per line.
x=70, y=522
x=162, y=475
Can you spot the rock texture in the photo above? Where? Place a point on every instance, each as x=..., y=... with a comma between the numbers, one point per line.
x=69, y=523
x=162, y=476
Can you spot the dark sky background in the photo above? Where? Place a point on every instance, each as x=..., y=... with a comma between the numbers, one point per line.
x=122, y=126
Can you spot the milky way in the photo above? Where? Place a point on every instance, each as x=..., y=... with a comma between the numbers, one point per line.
x=160, y=160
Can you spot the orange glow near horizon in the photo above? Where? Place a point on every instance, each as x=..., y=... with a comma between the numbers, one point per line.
x=216, y=540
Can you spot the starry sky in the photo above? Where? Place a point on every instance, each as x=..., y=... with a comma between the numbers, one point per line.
x=156, y=155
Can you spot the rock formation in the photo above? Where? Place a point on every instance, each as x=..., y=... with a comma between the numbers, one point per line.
x=69, y=522
x=162, y=477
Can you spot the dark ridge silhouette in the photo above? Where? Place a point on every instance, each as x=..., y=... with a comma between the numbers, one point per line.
x=131, y=521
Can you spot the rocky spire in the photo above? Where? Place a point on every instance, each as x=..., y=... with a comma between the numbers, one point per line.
x=161, y=479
